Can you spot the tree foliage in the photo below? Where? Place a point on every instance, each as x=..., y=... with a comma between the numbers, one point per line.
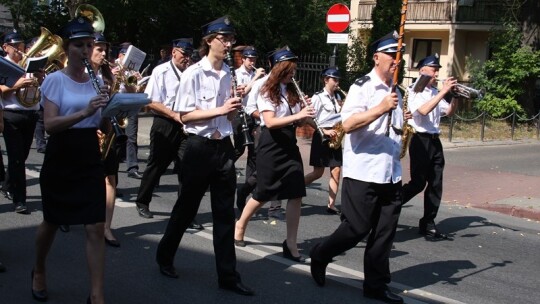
x=386, y=16
x=508, y=77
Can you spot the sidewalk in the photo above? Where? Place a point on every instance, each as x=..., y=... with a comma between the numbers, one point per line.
x=462, y=184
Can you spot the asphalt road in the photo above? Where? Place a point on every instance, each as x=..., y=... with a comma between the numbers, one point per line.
x=492, y=257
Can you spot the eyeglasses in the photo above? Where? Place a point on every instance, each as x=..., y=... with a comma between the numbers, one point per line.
x=225, y=40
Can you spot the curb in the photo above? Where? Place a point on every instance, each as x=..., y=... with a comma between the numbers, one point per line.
x=512, y=210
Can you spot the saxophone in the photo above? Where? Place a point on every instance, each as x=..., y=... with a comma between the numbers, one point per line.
x=335, y=142
x=408, y=130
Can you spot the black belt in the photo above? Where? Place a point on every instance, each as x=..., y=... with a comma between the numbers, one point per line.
x=21, y=111
x=206, y=139
x=428, y=135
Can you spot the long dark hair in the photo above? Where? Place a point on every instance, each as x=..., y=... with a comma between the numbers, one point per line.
x=271, y=87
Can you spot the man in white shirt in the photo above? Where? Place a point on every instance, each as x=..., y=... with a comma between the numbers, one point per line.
x=371, y=193
x=206, y=108
x=425, y=150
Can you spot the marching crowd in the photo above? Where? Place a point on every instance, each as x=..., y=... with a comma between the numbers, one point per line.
x=205, y=115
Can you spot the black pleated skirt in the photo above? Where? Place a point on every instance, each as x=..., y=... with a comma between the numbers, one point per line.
x=72, y=179
x=322, y=155
x=280, y=172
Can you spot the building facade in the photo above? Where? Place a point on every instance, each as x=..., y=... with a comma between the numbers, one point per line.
x=455, y=29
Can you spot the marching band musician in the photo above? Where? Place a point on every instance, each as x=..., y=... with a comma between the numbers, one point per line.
x=279, y=163
x=246, y=75
x=371, y=193
x=326, y=103
x=167, y=136
x=425, y=150
x=206, y=108
x=19, y=125
x=111, y=164
x=72, y=177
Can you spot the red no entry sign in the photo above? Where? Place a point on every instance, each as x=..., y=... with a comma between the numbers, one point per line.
x=338, y=18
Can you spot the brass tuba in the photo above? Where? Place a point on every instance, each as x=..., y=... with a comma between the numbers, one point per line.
x=335, y=142
x=47, y=45
x=91, y=13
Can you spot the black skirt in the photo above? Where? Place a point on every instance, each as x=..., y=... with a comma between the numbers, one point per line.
x=322, y=155
x=280, y=172
x=72, y=179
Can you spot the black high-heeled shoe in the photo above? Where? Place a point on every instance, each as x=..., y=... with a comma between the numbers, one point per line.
x=38, y=295
x=288, y=255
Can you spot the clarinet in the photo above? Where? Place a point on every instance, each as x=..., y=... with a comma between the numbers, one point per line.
x=241, y=113
x=120, y=136
x=324, y=138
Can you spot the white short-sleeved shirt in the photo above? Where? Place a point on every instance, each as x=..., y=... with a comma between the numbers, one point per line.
x=11, y=102
x=253, y=95
x=369, y=155
x=281, y=110
x=70, y=97
x=244, y=77
x=325, y=106
x=426, y=123
x=202, y=88
x=163, y=84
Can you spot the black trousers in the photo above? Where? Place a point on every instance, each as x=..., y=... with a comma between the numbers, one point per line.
x=166, y=137
x=372, y=210
x=19, y=126
x=206, y=163
x=427, y=165
x=132, y=149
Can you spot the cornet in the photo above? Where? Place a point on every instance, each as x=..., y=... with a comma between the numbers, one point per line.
x=458, y=89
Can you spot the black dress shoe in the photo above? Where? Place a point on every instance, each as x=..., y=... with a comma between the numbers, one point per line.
x=2, y=267
x=332, y=211
x=64, y=228
x=144, y=211
x=430, y=229
x=168, y=271
x=134, y=174
x=38, y=295
x=288, y=255
x=317, y=268
x=195, y=226
x=239, y=243
x=7, y=194
x=238, y=288
x=384, y=295
x=21, y=208
x=112, y=243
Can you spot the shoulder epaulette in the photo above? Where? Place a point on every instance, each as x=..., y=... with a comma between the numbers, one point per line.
x=360, y=81
x=318, y=92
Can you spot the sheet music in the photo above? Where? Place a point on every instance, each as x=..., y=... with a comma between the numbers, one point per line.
x=9, y=72
x=134, y=58
x=125, y=104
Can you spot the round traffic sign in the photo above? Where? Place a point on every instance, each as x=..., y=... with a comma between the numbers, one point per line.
x=338, y=18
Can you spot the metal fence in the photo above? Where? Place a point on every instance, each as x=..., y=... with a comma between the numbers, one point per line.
x=487, y=128
x=309, y=69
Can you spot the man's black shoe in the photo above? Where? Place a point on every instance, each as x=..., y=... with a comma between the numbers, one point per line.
x=238, y=288
x=384, y=295
x=7, y=194
x=168, y=271
x=21, y=208
x=318, y=269
x=64, y=228
x=196, y=226
x=430, y=229
x=2, y=267
x=144, y=211
x=134, y=173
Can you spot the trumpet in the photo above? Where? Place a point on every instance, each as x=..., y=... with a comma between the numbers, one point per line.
x=124, y=76
x=457, y=90
x=324, y=138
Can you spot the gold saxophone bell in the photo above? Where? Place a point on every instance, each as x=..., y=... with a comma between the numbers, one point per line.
x=335, y=142
x=47, y=45
x=408, y=130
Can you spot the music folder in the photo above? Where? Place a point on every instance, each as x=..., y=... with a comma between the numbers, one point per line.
x=125, y=104
x=133, y=59
x=9, y=72
x=35, y=64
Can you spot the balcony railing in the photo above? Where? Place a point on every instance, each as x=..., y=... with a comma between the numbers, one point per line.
x=481, y=11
